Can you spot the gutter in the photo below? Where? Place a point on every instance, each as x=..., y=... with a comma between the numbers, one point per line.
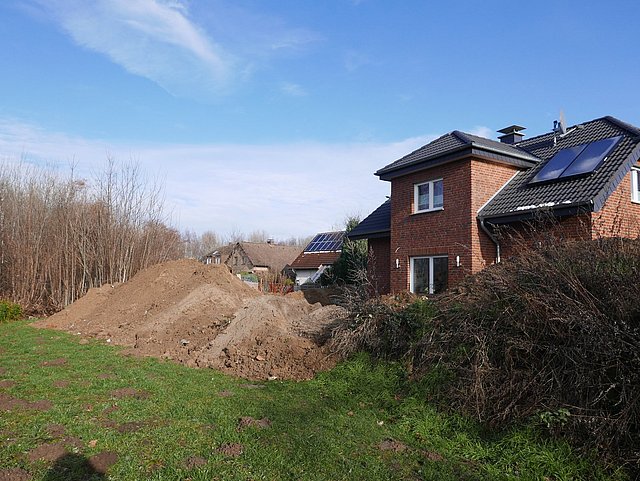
x=492, y=237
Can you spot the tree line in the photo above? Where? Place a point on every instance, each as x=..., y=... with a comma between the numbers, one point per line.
x=61, y=235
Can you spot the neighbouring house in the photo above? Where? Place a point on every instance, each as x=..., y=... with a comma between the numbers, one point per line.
x=219, y=255
x=452, y=199
x=260, y=257
x=323, y=250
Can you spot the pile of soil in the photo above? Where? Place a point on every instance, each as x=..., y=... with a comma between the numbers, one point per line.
x=203, y=316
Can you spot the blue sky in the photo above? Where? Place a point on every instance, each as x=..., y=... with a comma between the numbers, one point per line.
x=273, y=115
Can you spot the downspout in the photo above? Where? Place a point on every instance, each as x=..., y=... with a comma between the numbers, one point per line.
x=492, y=237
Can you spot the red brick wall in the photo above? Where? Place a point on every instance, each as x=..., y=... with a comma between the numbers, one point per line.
x=486, y=179
x=453, y=231
x=521, y=236
x=379, y=264
x=619, y=217
x=443, y=232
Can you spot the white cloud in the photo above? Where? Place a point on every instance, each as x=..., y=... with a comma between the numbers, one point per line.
x=154, y=39
x=482, y=131
x=354, y=60
x=293, y=89
x=284, y=189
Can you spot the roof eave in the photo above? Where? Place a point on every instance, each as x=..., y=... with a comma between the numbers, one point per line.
x=614, y=182
x=370, y=235
x=562, y=210
x=472, y=149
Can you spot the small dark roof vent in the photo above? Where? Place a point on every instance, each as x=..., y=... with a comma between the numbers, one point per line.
x=511, y=135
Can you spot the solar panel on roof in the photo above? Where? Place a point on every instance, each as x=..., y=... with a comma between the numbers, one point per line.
x=326, y=242
x=591, y=157
x=578, y=160
x=557, y=164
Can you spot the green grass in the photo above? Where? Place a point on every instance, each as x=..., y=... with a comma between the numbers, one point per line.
x=329, y=428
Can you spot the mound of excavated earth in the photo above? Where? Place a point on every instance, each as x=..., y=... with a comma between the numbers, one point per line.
x=202, y=315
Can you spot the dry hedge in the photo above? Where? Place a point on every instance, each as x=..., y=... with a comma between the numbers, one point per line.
x=553, y=334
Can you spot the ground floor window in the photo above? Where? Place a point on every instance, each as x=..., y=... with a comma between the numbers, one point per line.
x=429, y=274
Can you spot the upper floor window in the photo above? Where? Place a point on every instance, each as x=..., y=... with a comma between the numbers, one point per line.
x=635, y=184
x=428, y=196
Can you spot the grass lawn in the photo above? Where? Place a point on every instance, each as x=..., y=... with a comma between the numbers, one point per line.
x=150, y=419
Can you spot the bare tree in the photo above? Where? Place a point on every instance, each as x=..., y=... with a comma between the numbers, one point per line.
x=60, y=236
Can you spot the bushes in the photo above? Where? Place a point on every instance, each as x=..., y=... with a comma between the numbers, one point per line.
x=9, y=311
x=552, y=335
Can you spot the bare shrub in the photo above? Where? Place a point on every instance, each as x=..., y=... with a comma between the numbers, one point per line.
x=385, y=327
x=552, y=334
x=60, y=236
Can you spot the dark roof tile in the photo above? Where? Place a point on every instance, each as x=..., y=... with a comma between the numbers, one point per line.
x=519, y=199
x=376, y=224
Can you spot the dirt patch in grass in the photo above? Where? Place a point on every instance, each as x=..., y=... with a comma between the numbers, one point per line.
x=225, y=393
x=232, y=450
x=47, y=452
x=61, y=384
x=101, y=462
x=432, y=456
x=3, y=371
x=106, y=375
x=130, y=427
x=61, y=361
x=14, y=474
x=7, y=383
x=42, y=405
x=110, y=409
x=129, y=392
x=56, y=430
x=392, y=445
x=194, y=462
x=9, y=403
x=249, y=422
x=203, y=316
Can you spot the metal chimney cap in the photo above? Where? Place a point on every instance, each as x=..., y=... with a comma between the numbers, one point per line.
x=512, y=129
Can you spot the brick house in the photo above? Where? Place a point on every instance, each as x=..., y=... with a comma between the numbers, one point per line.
x=451, y=199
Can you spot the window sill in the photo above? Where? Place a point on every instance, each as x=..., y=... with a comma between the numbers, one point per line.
x=427, y=211
x=634, y=201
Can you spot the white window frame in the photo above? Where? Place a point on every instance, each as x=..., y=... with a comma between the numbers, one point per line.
x=431, y=276
x=431, y=183
x=635, y=185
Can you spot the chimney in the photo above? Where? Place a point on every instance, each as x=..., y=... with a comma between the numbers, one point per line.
x=270, y=240
x=511, y=135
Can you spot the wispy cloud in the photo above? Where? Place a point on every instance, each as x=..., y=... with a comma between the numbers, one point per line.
x=354, y=60
x=293, y=89
x=482, y=131
x=284, y=189
x=155, y=39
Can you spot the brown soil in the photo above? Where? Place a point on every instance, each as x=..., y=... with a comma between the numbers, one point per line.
x=103, y=461
x=194, y=462
x=7, y=383
x=14, y=474
x=55, y=430
x=232, y=450
x=3, y=371
x=47, y=452
x=61, y=384
x=392, y=445
x=249, y=422
x=8, y=403
x=55, y=362
x=203, y=316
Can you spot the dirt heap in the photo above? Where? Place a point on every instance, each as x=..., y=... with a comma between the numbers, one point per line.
x=202, y=315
